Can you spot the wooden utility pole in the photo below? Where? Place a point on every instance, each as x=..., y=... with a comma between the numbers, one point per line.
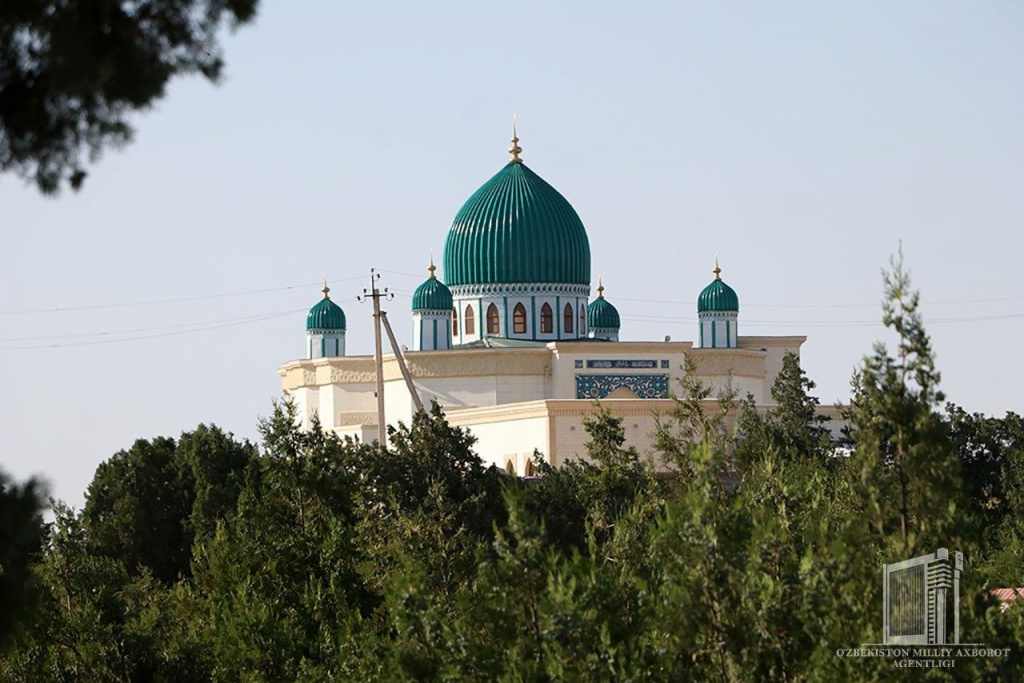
x=400, y=357
x=378, y=356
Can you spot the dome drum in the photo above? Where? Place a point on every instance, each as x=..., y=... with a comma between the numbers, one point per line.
x=521, y=288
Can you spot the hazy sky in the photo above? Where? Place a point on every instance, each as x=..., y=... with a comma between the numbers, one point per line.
x=800, y=140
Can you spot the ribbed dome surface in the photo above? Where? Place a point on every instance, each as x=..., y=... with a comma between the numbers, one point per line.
x=325, y=315
x=601, y=314
x=432, y=295
x=718, y=296
x=517, y=229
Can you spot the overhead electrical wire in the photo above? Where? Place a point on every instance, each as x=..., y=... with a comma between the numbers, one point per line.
x=823, y=323
x=215, y=326
x=125, y=335
x=874, y=305
x=268, y=290
x=156, y=302
x=108, y=333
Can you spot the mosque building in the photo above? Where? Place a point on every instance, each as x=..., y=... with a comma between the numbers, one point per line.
x=512, y=346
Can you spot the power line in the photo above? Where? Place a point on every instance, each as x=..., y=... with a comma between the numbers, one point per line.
x=268, y=290
x=157, y=302
x=823, y=323
x=244, y=321
x=108, y=333
x=874, y=305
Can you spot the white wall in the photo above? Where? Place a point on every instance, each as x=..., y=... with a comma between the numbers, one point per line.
x=469, y=392
x=500, y=441
x=571, y=436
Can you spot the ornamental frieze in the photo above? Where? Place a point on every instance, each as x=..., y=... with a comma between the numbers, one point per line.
x=600, y=386
x=513, y=289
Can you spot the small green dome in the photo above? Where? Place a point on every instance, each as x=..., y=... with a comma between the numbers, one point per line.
x=601, y=314
x=718, y=296
x=325, y=315
x=432, y=295
x=516, y=229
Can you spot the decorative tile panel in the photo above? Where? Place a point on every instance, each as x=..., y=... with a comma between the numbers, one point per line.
x=622, y=364
x=664, y=363
x=599, y=386
x=579, y=363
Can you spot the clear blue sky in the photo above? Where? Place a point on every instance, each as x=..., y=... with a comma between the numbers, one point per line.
x=800, y=140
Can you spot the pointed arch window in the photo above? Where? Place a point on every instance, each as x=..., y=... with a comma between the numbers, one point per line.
x=492, y=320
x=519, y=319
x=455, y=322
x=583, y=319
x=510, y=467
x=567, y=317
x=547, y=319
x=470, y=320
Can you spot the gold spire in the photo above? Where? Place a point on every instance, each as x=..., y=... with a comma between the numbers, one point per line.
x=600, y=287
x=515, y=150
x=432, y=267
x=326, y=289
x=717, y=271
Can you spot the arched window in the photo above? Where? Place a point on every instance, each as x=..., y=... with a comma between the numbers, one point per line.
x=510, y=467
x=519, y=319
x=492, y=320
x=567, y=319
x=583, y=319
x=547, y=320
x=529, y=468
x=470, y=320
x=455, y=322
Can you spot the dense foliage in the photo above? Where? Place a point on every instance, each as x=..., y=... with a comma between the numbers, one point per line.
x=752, y=552
x=71, y=73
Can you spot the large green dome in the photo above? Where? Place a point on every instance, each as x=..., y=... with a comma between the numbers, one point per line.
x=718, y=296
x=325, y=315
x=517, y=229
x=432, y=295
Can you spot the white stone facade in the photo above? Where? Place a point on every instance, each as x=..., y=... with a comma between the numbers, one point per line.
x=516, y=400
x=325, y=343
x=431, y=330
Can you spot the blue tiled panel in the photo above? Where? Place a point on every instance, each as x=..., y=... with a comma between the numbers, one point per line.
x=616, y=364
x=599, y=386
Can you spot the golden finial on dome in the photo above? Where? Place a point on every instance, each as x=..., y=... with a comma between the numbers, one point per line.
x=600, y=287
x=717, y=271
x=515, y=150
x=432, y=267
x=326, y=289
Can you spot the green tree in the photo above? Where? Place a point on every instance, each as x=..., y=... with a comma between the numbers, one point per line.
x=793, y=427
x=146, y=505
x=798, y=427
x=591, y=493
x=82, y=629
x=988, y=449
x=902, y=446
x=21, y=540
x=72, y=73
